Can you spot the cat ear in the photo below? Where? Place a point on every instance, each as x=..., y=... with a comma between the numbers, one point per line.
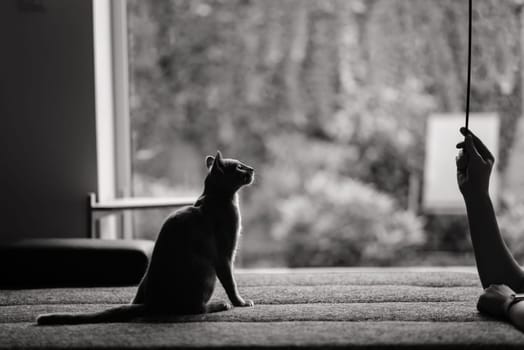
x=209, y=161
x=215, y=162
x=218, y=157
x=218, y=164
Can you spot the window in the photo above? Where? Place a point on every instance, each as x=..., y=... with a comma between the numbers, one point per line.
x=329, y=101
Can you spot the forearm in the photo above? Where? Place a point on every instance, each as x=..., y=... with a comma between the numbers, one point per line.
x=495, y=262
x=516, y=315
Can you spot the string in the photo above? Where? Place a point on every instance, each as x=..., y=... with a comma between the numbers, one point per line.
x=468, y=86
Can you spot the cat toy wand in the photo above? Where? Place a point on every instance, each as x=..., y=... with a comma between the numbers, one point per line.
x=468, y=84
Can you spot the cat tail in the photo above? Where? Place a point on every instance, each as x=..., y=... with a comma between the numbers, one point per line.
x=116, y=314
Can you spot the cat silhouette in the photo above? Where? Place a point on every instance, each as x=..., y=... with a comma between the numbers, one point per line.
x=196, y=244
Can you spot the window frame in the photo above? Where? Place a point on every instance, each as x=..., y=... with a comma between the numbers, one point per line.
x=114, y=144
x=112, y=112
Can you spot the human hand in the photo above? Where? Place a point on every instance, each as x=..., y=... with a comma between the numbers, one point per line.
x=495, y=300
x=474, y=165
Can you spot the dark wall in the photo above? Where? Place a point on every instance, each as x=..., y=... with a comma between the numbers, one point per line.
x=47, y=119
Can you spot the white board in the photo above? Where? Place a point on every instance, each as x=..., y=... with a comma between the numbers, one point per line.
x=441, y=193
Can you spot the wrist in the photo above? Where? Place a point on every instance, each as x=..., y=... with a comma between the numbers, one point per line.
x=476, y=197
x=512, y=300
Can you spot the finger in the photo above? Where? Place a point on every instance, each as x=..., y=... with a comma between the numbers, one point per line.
x=464, y=131
x=481, y=302
x=460, y=156
x=462, y=164
x=483, y=150
x=481, y=147
x=471, y=150
x=506, y=289
x=461, y=161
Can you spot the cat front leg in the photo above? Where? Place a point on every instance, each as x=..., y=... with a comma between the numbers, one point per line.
x=224, y=270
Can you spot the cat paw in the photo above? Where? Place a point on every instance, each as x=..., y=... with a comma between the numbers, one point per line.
x=244, y=303
x=225, y=306
x=218, y=306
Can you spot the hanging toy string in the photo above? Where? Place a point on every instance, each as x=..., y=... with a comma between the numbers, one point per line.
x=468, y=86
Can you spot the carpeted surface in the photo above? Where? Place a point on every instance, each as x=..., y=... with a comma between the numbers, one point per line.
x=352, y=308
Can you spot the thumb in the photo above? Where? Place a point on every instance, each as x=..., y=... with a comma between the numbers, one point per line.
x=471, y=150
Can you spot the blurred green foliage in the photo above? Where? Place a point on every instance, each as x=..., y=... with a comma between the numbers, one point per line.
x=341, y=222
x=511, y=222
x=328, y=100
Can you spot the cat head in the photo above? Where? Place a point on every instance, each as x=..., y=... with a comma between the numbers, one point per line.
x=228, y=175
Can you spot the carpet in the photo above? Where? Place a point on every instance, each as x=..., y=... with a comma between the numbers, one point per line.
x=305, y=308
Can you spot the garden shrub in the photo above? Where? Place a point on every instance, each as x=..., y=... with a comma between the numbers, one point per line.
x=343, y=222
x=511, y=225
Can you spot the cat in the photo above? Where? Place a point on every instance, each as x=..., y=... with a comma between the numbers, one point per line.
x=195, y=245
